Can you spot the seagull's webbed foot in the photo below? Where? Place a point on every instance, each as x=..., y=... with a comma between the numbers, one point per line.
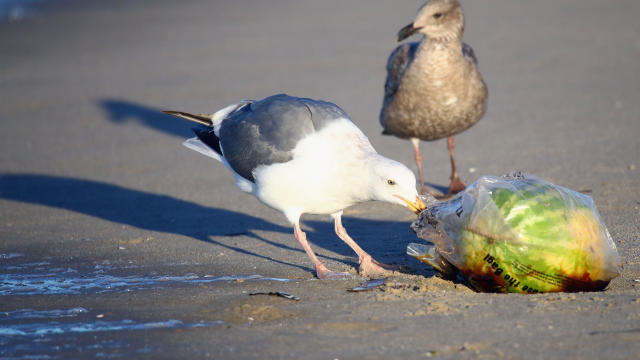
x=368, y=266
x=325, y=274
x=456, y=186
x=373, y=268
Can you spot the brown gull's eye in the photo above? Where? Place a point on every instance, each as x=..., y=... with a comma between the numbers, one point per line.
x=437, y=15
x=391, y=182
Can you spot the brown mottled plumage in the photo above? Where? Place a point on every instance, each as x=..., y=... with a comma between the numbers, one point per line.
x=433, y=88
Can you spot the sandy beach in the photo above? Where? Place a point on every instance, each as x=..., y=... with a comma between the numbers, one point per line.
x=118, y=242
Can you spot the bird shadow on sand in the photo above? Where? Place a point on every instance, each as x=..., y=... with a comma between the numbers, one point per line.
x=441, y=189
x=167, y=214
x=122, y=111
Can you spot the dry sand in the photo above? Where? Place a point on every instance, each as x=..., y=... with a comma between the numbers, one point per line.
x=99, y=202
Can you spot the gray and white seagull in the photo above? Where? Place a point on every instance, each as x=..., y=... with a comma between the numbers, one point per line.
x=299, y=155
x=433, y=88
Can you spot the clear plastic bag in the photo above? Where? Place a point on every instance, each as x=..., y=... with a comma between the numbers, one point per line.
x=518, y=233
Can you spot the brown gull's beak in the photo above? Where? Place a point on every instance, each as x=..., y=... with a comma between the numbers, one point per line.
x=417, y=207
x=407, y=31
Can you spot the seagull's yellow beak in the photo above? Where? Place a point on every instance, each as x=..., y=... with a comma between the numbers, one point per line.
x=416, y=207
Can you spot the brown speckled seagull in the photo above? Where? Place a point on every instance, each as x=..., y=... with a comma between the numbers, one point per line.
x=433, y=88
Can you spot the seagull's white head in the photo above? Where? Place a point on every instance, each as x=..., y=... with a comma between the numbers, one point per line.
x=437, y=19
x=393, y=182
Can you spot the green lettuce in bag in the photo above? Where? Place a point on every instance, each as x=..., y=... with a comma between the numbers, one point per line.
x=518, y=233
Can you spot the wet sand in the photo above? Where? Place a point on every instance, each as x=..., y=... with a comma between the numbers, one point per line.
x=118, y=238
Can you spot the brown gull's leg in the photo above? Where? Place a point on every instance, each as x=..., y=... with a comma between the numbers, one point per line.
x=368, y=266
x=456, y=184
x=321, y=271
x=418, y=157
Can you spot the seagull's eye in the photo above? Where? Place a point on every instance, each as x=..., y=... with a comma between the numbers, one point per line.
x=391, y=182
x=437, y=15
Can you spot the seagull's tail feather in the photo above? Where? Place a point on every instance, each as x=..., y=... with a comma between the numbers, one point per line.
x=204, y=119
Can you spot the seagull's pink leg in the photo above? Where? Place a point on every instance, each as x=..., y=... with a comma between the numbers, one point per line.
x=368, y=266
x=456, y=184
x=321, y=271
x=418, y=157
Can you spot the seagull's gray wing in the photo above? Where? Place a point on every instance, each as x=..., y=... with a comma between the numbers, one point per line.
x=467, y=52
x=397, y=65
x=265, y=132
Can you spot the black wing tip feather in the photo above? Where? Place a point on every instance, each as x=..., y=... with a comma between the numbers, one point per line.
x=208, y=136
